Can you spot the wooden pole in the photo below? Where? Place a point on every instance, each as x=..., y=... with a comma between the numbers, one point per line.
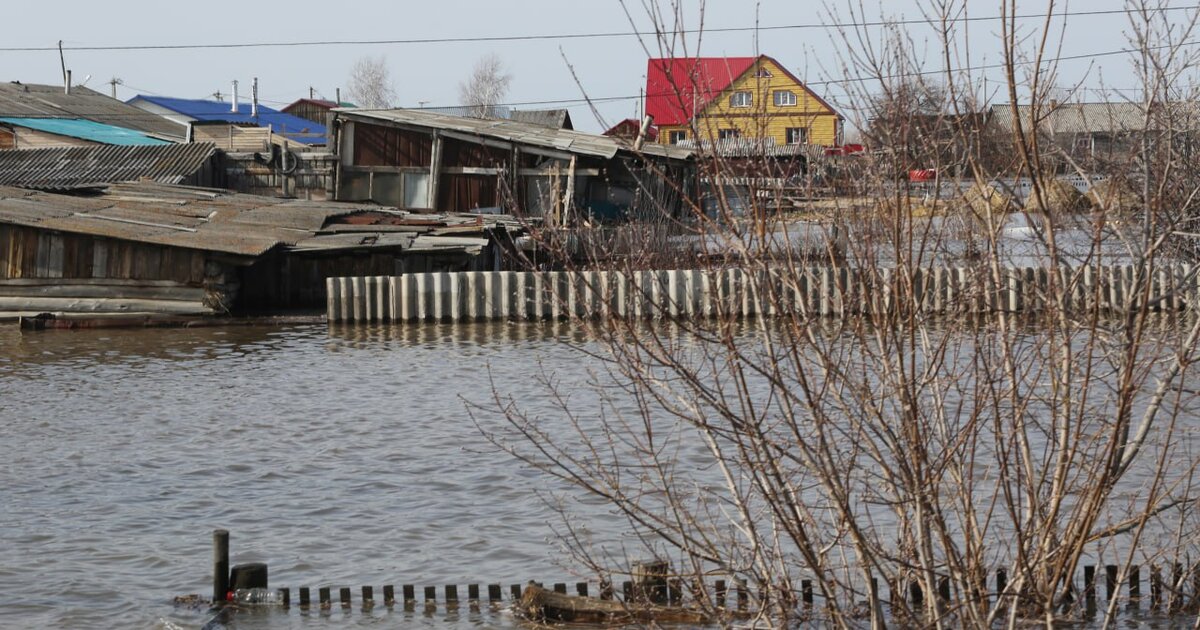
x=220, y=565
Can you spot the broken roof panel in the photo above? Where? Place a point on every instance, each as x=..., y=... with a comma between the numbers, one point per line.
x=210, y=220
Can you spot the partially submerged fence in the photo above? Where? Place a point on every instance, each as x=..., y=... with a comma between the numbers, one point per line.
x=816, y=291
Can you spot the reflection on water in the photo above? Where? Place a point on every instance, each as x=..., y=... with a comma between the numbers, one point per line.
x=340, y=457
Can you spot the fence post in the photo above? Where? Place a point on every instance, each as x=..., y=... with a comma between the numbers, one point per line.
x=220, y=565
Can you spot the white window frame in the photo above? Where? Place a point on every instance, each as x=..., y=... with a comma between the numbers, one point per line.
x=675, y=136
x=802, y=135
x=736, y=99
x=728, y=134
x=789, y=98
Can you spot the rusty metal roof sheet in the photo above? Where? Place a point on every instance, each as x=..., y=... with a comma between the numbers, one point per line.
x=516, y=132
x=216, y=221
x=28, y=100
x=84, y=167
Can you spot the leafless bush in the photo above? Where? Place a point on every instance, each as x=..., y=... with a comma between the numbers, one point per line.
x=894, y=447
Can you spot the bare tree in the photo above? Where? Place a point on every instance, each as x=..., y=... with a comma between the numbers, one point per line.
x=827, y=457
x=486, y=88
x=370, y=83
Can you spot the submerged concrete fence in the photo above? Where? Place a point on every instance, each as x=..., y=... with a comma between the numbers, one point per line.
x=810, y=291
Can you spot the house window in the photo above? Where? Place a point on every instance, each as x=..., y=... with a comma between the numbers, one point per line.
x=797, y=135
x=763, y=73
x=741, y=99
x=728, y=134
x=785, y=98
x=677, y=136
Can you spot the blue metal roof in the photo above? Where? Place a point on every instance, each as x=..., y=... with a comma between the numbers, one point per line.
x=87, y=130
x=287, y=125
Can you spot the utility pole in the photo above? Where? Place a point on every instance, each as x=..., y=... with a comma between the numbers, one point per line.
x=311, y=92
x=114, y=82
x=219, y=96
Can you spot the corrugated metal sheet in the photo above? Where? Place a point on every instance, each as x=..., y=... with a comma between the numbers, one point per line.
x=23, y=100
x=292, y=127
x=752, y=147
x=213, y=220
x=81, y=167
x=1076, y=117
x=676, y=89
x=87, y=130
x=520, y=133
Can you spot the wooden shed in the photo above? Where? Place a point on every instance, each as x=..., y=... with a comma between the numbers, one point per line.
x=149, y=248
x=434, y=162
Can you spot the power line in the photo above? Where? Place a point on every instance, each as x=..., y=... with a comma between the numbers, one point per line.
x=600, y=35
x=827, y=82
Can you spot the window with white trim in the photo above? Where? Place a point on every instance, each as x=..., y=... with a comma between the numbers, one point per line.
x=785, y=98
x=797, y=135
x=741, y=99
x=677, y=136
x=728, y=134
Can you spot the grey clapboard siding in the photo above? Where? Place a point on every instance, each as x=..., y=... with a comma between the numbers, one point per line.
x=684, y=294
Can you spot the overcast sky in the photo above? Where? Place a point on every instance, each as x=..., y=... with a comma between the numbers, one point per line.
x=429, y=73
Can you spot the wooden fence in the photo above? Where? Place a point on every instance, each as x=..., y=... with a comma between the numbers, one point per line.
x=685, y=294
x=1171, y=589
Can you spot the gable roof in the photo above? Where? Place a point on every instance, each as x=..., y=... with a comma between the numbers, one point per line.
x=678, y=89
x=68, y=168
x=25, y=100
x=292, y=127
x=553, y=118
x=86, y=130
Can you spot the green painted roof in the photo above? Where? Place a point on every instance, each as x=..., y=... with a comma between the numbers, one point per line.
x=86, y=130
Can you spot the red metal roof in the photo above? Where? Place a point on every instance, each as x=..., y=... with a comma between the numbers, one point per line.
x=677, y=88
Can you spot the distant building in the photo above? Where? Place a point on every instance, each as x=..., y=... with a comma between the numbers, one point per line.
x=752, y=99
x=314, y=109
x=1094, y=135
x=188, y=113
x=629, y=130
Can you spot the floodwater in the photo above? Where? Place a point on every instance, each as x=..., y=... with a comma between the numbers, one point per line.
x=342, y=457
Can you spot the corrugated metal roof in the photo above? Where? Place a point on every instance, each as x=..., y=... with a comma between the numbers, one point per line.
x=87, y=130
x=82, y=167
x=1076, y=117
x=521, y=133
x=211, y=220
x=752, y=147
x=294, y=128
x=23, y=100
x=677, y=88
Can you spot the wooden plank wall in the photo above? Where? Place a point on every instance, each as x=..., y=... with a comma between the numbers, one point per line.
x=32, y=253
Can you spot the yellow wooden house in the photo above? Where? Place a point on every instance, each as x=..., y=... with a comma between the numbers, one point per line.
x=722, y=98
